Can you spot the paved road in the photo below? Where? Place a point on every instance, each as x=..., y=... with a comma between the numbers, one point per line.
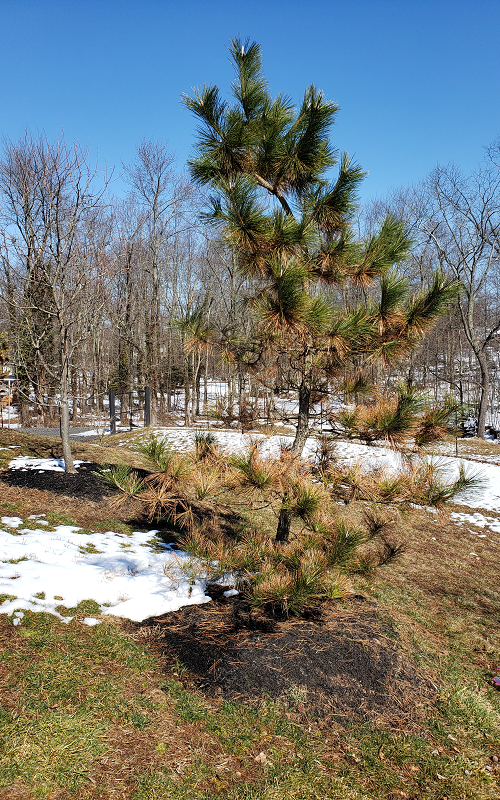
x=75, y=433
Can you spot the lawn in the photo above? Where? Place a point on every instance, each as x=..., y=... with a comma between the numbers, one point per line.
x=395, y=699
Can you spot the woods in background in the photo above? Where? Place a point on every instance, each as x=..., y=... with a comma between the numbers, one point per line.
x=102, y=292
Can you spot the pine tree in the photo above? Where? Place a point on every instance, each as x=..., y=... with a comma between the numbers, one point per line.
x=290, y=226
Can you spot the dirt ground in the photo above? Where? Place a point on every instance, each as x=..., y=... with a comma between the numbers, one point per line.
x=84, y=484
x=342, y=663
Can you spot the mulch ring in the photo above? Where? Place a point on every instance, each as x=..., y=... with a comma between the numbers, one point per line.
x=84, y=484
x=344, y=665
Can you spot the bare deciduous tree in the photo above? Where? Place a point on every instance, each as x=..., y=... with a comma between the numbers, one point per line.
x=54, y=256
x=460, y=217
x=162, y=195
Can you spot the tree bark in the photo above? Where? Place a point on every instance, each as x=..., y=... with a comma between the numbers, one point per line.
x=302, y=431
x=187, y=394
x=197, y=384
x=64, y=422
x=284, y=523
x=485, y=390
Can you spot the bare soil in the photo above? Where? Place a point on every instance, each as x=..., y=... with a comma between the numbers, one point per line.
x=343, y=664
x=84, y=484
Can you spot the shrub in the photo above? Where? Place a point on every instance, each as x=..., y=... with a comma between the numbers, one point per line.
x=398, y=419
x=421, y=483
x=159, y=454
x=199, y=492
x=123, y=478
x=292, y=578
x=289, y=579
x=205, y=445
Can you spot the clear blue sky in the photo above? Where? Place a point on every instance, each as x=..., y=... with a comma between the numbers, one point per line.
x=418, y=81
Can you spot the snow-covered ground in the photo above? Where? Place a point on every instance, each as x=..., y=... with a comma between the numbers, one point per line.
x=480, y=520
x=133, y=576
x=369, y=457
x=25, y=463
x=137, y=576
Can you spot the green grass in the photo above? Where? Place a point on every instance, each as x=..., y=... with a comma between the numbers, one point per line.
x=74, y=685
x=360, y=762
x=86, y=608
x=118, y=526
x=69, y=684
x=54, y=518
x=89, y=548
x=10, y=509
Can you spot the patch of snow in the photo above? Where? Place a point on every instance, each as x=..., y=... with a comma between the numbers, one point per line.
x=493, y=523
x=12, y=522
x=368, y=457
x=67, y=565
x=135, y=582
x=41, y=464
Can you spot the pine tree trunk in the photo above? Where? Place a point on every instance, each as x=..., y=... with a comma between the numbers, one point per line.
x=285, y=517
x=302, y=431
x=284, y=523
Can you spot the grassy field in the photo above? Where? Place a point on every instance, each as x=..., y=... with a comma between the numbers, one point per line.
x=96, y=712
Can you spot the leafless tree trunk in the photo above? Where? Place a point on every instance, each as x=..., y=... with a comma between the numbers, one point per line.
x=163, y=196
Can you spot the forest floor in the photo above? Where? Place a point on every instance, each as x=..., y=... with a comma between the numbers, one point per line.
x=385, y=695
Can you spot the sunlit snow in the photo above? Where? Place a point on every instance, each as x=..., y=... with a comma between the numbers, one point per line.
x=41, y=464
x=46, y=569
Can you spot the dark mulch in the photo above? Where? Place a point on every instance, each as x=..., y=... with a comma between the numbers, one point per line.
x=85, y=484
x=344, y=665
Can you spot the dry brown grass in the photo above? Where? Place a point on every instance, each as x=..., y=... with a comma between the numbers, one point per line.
x=107, y=452
x=16, y=791
x=82, y=512
x=167, y=747
x=444, y=592
x=470, y=448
